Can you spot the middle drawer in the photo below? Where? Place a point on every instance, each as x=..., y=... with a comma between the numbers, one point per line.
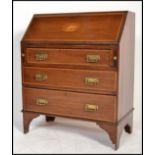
x=86, y=80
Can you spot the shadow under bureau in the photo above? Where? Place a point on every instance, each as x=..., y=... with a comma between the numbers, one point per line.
x=80, y=65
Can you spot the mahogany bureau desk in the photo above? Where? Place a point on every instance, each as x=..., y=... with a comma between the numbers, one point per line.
x=80, y=65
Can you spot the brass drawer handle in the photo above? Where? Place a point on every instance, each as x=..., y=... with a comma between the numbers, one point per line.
x=93, y=58
x=41, y=56
x=91, y=107
x=91, y=81
x=40, y=101
x=40, y=77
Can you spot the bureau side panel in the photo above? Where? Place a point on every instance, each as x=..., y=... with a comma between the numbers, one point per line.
x=126, y=67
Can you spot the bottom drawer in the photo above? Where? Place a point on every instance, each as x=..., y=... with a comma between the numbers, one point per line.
x=71, y=104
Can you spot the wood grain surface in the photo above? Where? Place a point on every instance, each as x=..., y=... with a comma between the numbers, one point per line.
x=71, y=104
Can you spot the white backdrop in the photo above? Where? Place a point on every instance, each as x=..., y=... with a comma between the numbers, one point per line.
x=23, y=12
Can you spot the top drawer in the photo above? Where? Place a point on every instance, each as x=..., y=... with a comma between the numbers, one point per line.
x=70, y=57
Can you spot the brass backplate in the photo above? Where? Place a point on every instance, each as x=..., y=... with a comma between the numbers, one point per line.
x=41, y=101
x=91, y=81
x=41, y=56
x=91, y=107
x=41, y=77
x=93, y=58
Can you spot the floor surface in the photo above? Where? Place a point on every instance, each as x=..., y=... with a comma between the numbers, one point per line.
x=66, y=136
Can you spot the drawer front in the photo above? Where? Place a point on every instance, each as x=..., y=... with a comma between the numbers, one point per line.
x=71, y=79
x=64, y=103
x=70, y=57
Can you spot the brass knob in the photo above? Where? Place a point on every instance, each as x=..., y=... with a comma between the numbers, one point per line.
x=115, y=58
x=41, y=101
x=23, y=55
x=91, y=107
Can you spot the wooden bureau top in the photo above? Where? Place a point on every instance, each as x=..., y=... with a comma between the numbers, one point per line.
x=76, y=28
